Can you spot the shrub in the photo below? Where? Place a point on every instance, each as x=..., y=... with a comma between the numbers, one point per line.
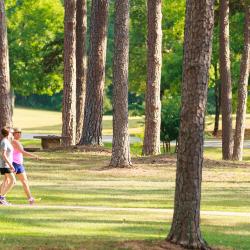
x=170, y=121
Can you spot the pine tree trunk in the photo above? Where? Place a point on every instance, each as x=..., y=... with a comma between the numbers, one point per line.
x=81, y=64
x=69, y=90
x=185, y=230
x=151, y=145
x=226, y=86
x=93, y=113
x=120, y=148
x=242, y=92
x=5, y=91
x=217, y=95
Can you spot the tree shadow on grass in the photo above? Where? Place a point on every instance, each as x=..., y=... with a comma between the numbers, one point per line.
x=55, y=229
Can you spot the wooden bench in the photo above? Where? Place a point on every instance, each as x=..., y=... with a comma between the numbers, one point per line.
x=49, y=141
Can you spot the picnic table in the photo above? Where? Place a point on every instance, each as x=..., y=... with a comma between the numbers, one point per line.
x=49, y=141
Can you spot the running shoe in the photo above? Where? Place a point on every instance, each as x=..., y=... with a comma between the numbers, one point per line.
x=4, y=202
x=31, y=200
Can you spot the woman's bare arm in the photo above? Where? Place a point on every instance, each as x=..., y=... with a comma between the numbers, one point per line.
x=5, y=158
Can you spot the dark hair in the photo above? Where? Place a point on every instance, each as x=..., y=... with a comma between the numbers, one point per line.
x=5, y=131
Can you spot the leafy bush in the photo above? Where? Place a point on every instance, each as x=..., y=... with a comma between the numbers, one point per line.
x=170, y=121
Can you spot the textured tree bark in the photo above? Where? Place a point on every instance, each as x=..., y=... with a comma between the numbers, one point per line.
x=120, y=147
x=242, y=92
x=217, y=95
x=226, y=86
x=69, y=90
x=81, y=64
x=185, y=230
x=5, y=91
x=151, y=144
x=92, y=129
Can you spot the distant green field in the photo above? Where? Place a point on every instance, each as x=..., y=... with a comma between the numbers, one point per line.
x=41, y=121
x=210, y=122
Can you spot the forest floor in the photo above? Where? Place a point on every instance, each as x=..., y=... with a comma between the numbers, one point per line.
x=84, y=204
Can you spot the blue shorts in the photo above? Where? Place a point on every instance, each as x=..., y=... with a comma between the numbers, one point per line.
x=19, y=168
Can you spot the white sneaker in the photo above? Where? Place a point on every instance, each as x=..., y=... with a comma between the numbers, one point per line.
x=31, y=200
x=4, y=202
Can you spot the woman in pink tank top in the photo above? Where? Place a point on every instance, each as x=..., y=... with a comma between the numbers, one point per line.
x=18, y=154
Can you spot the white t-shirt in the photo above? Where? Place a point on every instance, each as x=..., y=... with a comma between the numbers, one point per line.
x=5, y=145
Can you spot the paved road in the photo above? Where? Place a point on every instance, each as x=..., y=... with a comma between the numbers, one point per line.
x=105, y=138
x=211, y=143
x=214, y=143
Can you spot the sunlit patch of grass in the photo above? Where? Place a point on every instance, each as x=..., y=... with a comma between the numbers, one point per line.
x=83, y=178
x=50, y=122
x=75, y=178
x=216, y=154
x=32, y=228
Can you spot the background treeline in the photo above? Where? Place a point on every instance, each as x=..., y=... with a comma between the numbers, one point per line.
x=35, y=33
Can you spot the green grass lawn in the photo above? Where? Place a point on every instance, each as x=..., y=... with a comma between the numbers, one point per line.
x=82, y=179
x=72, y=187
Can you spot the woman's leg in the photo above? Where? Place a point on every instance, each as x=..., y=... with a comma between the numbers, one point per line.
x=8, y=183
x=24, y=180
x=4, y=183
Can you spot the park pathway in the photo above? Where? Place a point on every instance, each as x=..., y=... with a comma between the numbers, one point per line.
x=209, y=143
x=129, y=209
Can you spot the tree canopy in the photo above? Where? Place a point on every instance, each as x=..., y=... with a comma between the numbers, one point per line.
x=35, y=34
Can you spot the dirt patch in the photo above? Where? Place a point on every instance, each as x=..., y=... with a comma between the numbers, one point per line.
x=170, y=160
x=162, y=245
x=82, y=148
x=91, y=148
x=156, y=159
x=225, y=164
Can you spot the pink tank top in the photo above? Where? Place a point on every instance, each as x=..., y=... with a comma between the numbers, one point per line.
x=17, y=157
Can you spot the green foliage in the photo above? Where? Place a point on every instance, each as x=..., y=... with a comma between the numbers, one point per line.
x=173, y=36
x=32, y=25
x=47, y=102
x=138, y=43
x=170, y=118
x=35, y=30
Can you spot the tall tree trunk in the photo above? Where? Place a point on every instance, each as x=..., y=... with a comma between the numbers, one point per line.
x=217, y=95
x=226, y=86
x=120, y=148
x=151, y=144
x=81, y=64
x=185, y=230
x=242, y=91
x=69, y=90
x=92, y=129
x=5, y=91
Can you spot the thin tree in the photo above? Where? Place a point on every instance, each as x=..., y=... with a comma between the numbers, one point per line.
x=69, y=90
x=226, y=85
x=216, y=80
x=120, y=147
x=151, y=144
x=93, y=113
x=185, y=230
x=5, y=91
x=242, y=90
x=81, y=64
x=217, y=95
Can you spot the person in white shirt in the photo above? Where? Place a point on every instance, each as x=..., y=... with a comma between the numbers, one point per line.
x=6, y=167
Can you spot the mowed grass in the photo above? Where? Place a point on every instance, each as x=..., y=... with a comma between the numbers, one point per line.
x=138, y=197
x=50, y=122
